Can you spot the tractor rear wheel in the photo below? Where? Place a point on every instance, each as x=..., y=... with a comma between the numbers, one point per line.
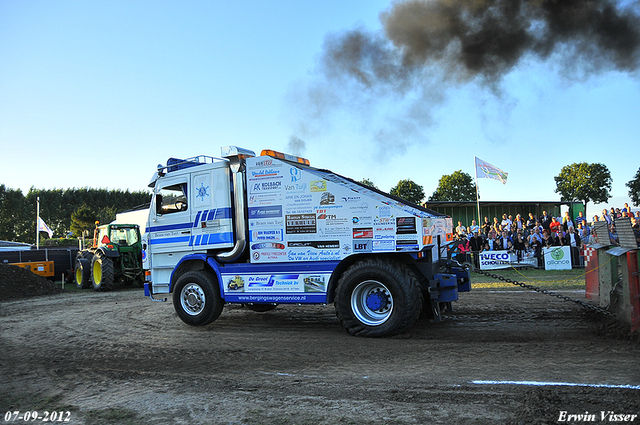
x=102, y=272
x=83, y=273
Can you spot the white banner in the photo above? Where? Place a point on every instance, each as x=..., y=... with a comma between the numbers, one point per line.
x=491, y=260
x=557, y=258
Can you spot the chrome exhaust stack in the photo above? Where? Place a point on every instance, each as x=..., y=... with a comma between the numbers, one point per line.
x=236, y=157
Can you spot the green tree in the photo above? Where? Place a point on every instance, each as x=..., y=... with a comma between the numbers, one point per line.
x=458, y=186
x=409, y=191
x=13, y=220
x=634, y=188
x=368, y=182
x=83, y=219
x=584, y=182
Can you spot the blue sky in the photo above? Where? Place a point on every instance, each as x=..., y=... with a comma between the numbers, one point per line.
x=95, y=94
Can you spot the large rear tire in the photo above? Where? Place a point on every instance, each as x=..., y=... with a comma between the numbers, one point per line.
x=83, y=273
x=102, y=272
x=377, y=297
x=196, y=298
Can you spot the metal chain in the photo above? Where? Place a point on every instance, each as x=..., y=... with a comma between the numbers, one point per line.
x=581, y=303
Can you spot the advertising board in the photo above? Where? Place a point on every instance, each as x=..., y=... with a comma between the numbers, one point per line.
x=557, y=258
x=493, y=260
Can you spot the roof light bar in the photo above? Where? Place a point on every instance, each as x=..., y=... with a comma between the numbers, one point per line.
x=280, y=155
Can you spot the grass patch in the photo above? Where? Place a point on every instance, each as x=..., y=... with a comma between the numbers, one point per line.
x=546, y=279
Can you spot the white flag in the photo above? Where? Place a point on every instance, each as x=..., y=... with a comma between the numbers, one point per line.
x=488, y=171
x=42, y=227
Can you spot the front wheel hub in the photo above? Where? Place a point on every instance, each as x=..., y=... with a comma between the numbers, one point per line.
x=192, y=299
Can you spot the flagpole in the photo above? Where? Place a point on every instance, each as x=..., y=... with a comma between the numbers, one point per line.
x=475, y=166
x=38, y=222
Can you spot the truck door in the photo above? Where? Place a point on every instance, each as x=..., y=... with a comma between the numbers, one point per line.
x=170, y=220
x=211, y=210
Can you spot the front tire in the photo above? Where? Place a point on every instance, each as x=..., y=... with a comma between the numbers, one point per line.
x=377, y=297
x=196, y=298
x=102, y=272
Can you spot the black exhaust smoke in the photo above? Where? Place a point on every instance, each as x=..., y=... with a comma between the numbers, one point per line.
x=429, y=46
x=487, y=39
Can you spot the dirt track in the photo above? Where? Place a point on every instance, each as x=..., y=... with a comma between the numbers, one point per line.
x=120, y=358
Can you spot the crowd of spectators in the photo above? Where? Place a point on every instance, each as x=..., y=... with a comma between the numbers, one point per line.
x=532, y=234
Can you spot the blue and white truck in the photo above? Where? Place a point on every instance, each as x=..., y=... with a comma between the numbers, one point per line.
x=270, y=229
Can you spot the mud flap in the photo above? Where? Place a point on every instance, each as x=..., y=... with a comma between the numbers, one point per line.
x=436, y=314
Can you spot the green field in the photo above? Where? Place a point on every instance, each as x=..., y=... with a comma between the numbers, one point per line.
x=549, y=280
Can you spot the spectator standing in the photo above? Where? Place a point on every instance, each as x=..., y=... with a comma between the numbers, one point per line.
x=505, y=241
x=580, y=218
x=474, y=228
x=486, y=226
x=491, y=244
x=535, y=242
x=573, y=240
x=606, y=217
x=539, y=227
x=558, y=237
x=518, y=224
x=461, y=230
x=505, y=223
x=613, y=234
x=547, y=240
x=519, y=244
x=545, y=220
x=566, y=221
x=636, y=233
x=583, y=232
x=553, y=226
x=476, y=244
x=535, y=235
x=531, y=222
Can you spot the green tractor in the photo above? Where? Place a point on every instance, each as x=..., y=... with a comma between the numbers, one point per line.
x=116, y=256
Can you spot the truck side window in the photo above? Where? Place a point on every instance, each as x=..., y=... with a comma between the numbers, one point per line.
x=172, y=199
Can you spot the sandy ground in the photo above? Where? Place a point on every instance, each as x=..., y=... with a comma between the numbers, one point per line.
x=101, y=358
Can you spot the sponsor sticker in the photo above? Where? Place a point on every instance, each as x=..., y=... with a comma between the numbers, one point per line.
x=363, y=233
x=318, y=186
x=273, y=211
x=301, y=223
x=406, y=225
x=266, y=235
x=268, y=186
x=314, y=244
x=267, y=245
x=362, y=245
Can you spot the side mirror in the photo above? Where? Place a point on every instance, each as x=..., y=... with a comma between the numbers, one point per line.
x=159, y=204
